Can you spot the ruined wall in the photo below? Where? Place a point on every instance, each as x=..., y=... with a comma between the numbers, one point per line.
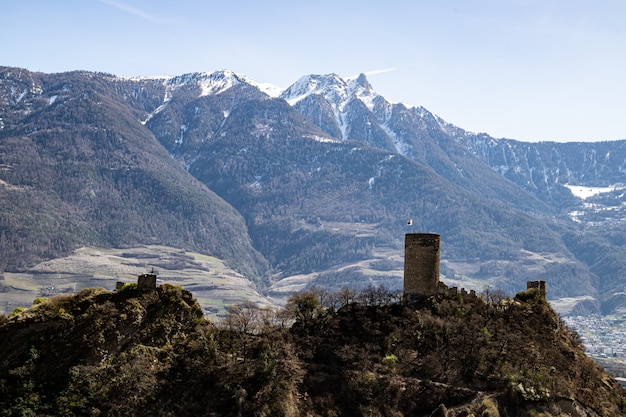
x=539, y=286
x=421, y=263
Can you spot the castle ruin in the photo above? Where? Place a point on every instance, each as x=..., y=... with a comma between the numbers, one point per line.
x=145, y=282
x=421, y=268
x=539, y=286
x=421, y=264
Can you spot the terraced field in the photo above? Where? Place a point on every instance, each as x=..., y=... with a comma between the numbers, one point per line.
x=214, y=284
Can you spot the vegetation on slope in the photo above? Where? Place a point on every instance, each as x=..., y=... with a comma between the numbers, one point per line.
x=78, y=169
x=88, y=159
x=344, y=354
x=305, y=212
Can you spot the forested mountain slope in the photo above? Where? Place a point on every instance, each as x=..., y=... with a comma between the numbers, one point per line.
x=312, y=185
x=79, y=169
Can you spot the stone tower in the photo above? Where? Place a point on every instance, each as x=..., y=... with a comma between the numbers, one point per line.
x=146, y=282
x=421, y=263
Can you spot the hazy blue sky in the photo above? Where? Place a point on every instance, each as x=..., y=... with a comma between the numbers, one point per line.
x=522, y=69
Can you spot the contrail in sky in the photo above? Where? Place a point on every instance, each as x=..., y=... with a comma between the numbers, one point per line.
x=374, y=72
x=380, y=71
x=131, y=10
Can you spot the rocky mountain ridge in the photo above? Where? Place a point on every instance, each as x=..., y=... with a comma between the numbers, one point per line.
x=325, y=176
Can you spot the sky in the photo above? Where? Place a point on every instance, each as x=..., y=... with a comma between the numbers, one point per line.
x=530, y=70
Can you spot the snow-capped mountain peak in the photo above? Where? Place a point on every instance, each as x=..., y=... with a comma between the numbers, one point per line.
x=336, y=90
x=361, y=89
x=332, y=87
x=210, y=83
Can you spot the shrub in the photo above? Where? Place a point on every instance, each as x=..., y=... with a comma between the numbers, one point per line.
x=64, y=314
x=369, y=378
x=40, y=300
x=129, y=287
x=488, y=408
x=17, y=311
x=531, y=294
x=89, y=292
x=390, y=361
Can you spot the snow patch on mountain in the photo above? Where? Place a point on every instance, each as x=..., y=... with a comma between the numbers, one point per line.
x=270, y=89
x=450, y=129
x=156, y=111
x=584, y=192
x=325, y=139
x=343, y=126
x=140, y=78
x=21, y=97
x=209, y=83
x=401, y=145
x=181, y=136
x=331, y=87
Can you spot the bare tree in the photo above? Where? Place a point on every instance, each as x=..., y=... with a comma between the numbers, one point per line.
x=304, y=306
x=346, y=296
x=243, y=317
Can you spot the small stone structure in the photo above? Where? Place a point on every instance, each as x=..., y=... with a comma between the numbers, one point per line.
x=421, y=264
x=539, y=286
x=146, y=282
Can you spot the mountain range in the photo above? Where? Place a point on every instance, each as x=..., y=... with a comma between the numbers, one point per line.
x=309, y=185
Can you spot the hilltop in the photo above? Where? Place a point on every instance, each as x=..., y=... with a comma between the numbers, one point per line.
x=132, y=352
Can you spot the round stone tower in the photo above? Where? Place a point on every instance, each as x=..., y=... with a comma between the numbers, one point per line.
x=421, y=263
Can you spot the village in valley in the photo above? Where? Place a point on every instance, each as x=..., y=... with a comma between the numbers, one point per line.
x=603, y=336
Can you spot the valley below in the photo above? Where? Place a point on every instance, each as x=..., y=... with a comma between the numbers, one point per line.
x=216, y=285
